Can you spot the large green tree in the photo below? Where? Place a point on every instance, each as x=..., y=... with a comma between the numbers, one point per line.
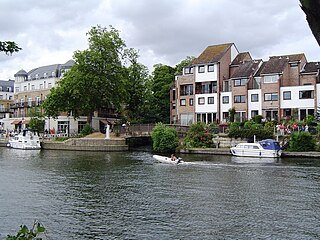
x=184, y=63
x=312, y=10
x=159, y=102
x=9, y=47
x=97, y=79
x=137, y=89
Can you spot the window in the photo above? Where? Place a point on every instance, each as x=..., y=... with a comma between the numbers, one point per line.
x=191, y=102
x=50, y=86
x=271, y=79
x=201, y=100
x=287, y=95
x=25, y=88
x=37, y=100
x=33, y=87
x=201, y=69
x=186, y=90
x=225, y=99
x=254, y=113
x=287, y=112
x=45, y=75
x=307, y=94
x=81, y=125
x=240, y=99
x=206, y=87
x=188, y=70
x=271, y=97
x=254, y=97
x=41, y=86
x=182, y=102
x=53, y=74
x=210, y=100
x=1, y=97
x=63, y=126
x=210, y=68
x=240, y=82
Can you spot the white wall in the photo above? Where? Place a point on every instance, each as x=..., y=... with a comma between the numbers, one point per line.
x=254, y=105
x=206, y=108
x=206, y=76
x=295, y=102
x=224, y=107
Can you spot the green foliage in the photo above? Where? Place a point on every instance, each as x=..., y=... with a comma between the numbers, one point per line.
x=184, y=63
x=36, y=119
x=96, y=80
x=232, y=112
x=198, y=136
x=301, y=142
x=87, y=129
x=234, y=125
x=250, y=132
x=257, y=119
x=158, y=105
x=213, y=128
x=25, y=234
x=61, y=139
x=9, y=47
x=137, y=89
x=309, y=119
x=269, y=125
x=164, y=138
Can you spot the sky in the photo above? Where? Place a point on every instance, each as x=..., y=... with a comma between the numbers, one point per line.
x=163, y=31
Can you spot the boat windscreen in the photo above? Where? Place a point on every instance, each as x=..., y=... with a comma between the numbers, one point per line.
x=270, y=144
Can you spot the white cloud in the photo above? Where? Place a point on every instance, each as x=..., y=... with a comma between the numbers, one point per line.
x=163, y=31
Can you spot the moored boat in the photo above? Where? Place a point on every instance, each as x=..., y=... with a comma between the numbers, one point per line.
x=164, y=159
x=27, y=139
x=265, y=148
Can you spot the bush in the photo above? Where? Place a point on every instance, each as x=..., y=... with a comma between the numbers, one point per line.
x=198, y=136
x=28, y=234
x=249, y=133
x=301, y=142
x=87, y=129
x=164, y=138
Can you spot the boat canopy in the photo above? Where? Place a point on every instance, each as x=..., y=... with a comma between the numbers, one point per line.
x=270, y=144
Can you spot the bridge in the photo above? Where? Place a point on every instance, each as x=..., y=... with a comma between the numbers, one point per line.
x=144, y=130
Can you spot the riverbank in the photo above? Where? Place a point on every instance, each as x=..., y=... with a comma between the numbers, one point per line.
x=226, y=151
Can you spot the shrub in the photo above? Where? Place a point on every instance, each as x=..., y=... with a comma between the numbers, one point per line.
x=164, y=138
x=249, y=133
x=257, y=119
x=301, y=142
x=234, y=125
x=87, y=129
x=28, y=234
x=198, y=136
x=213, y=128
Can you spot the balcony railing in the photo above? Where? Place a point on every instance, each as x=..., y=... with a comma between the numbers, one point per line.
x=26, y=104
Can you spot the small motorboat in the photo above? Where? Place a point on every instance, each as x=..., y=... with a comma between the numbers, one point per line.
x=27, y=139
x=268, y=148
x=168, y=159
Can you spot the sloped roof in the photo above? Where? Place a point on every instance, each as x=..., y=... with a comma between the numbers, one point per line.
x=212, y=54
x=241, y=57
x=246, y=69
x=21, y=73
x=276, y=64
x=5, y=84
x=311, y=67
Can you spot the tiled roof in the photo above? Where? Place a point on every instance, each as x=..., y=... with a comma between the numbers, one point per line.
x=311, y=67
x=5, y=84
x=246, y=69
x=212, y=54
x=241, y=57
x=276, y=64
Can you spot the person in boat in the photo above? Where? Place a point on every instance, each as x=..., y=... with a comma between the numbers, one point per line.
x=173, y=157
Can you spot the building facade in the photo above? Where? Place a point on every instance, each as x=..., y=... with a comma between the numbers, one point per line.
x=222, y=78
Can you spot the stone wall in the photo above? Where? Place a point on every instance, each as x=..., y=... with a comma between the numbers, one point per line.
x=87, y=144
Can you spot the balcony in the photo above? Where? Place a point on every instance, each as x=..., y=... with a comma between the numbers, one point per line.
x=26, y=104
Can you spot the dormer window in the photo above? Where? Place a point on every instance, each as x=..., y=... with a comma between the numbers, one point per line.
x=37, y=76
x=53, y=74
x=201, y=69
x=45, y=75
x=271, y=78
x=188, y=70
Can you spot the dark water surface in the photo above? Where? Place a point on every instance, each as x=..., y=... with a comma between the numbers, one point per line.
x=81, y=195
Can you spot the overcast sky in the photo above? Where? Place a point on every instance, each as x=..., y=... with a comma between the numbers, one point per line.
x=164, y=31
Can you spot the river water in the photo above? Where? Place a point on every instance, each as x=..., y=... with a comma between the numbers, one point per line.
x=85, y=195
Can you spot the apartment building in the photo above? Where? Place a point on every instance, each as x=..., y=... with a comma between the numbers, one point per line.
x=6, y=99
x=222, y=78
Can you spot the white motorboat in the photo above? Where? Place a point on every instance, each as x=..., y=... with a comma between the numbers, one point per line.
x=168, y=159
x=27, y=139
x=268, y=148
